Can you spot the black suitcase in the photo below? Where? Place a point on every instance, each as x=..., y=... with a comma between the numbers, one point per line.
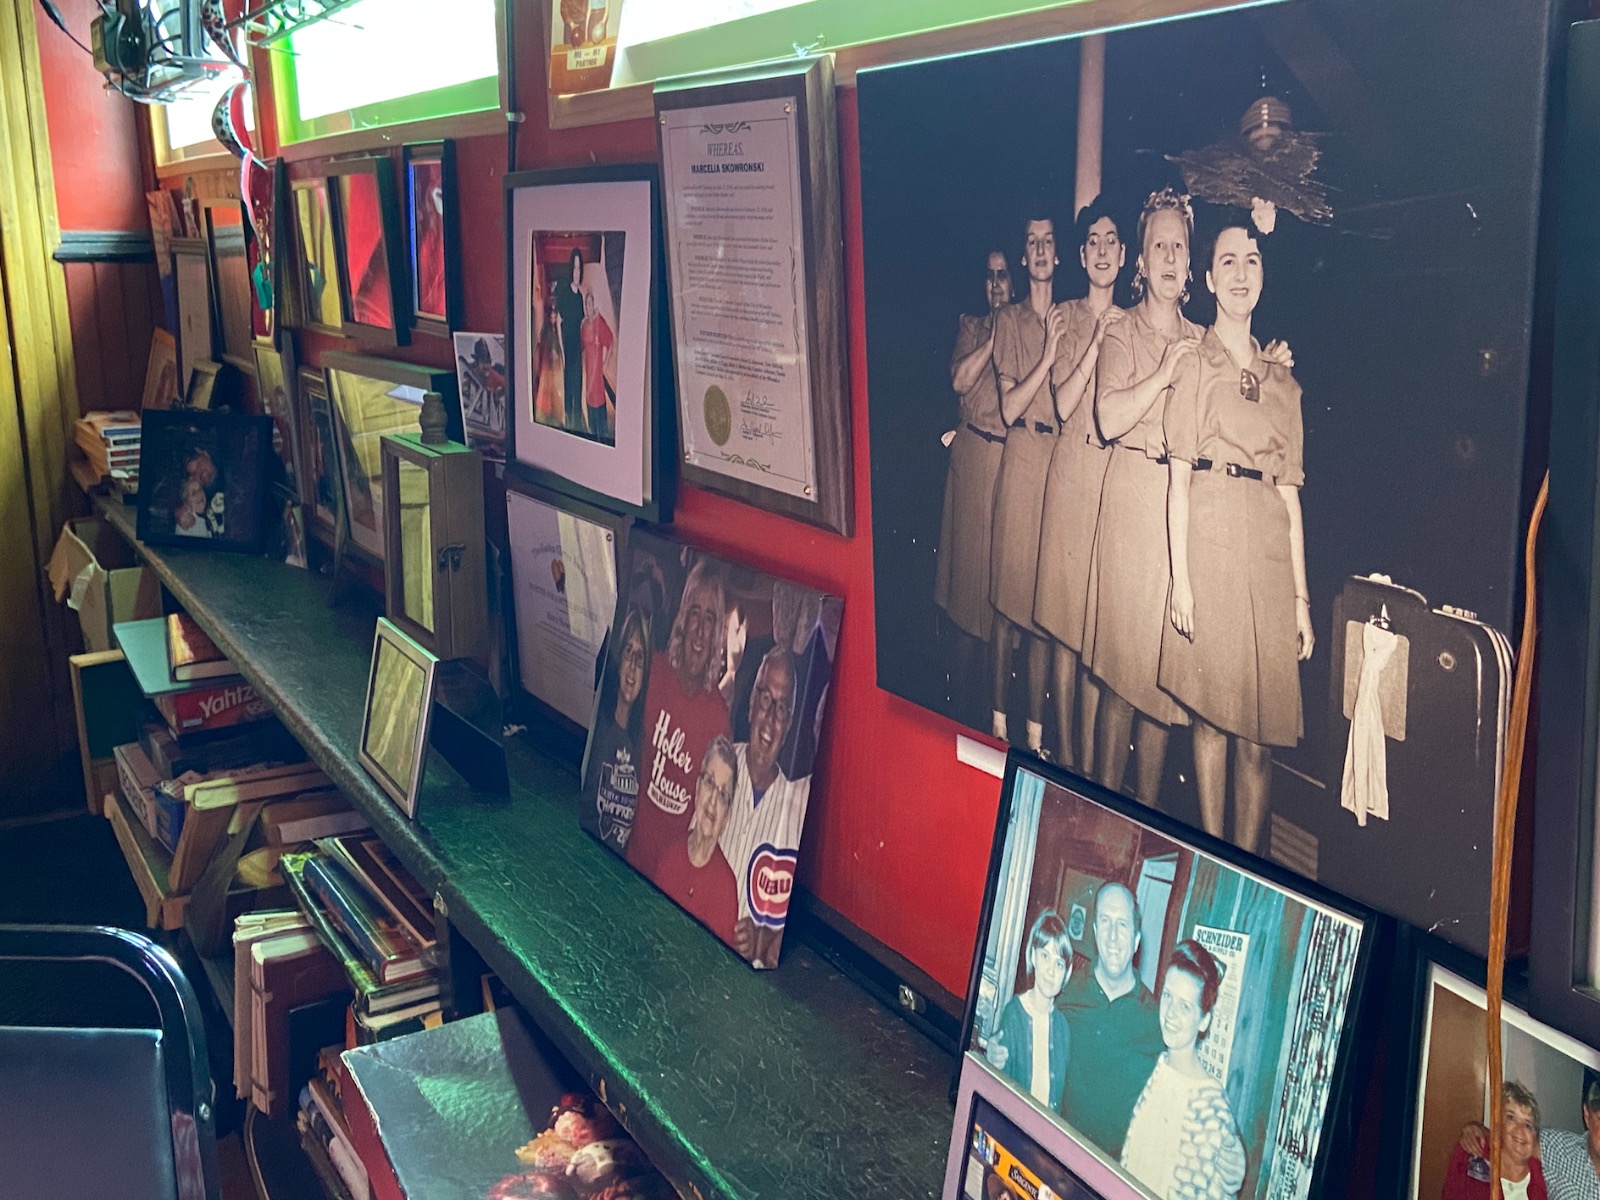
x=1445, y=695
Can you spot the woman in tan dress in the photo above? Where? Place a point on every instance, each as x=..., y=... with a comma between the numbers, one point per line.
x=961, y=585
x=1027, y=336
x=1240, y=611
x=1127, y=601
x=1072, y=489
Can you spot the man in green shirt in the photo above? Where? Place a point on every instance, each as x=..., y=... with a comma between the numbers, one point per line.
x=1116, y=1027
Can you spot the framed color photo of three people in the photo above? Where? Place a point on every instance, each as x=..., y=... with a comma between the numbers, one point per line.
x=591, y=415
x=707, y=731
x=1188, y=1019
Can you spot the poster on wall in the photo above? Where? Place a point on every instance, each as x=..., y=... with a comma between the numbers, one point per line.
x=707, y=733
x=1197, y=1071
x=1198, y=440
x=481, y=380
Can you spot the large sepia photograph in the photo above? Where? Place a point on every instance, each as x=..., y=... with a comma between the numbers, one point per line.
x=706, y=732
x=1216, y=363
x=1184, y=1018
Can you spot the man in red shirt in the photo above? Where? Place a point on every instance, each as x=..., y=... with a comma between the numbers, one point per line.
x=683, y=708
x=693, y=872
x=597, y=341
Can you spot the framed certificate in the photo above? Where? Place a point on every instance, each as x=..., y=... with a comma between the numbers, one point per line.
x=755, y=266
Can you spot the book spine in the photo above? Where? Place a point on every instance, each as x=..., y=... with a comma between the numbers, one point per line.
x=292, y=867
x=390, y=955
x=340, y=908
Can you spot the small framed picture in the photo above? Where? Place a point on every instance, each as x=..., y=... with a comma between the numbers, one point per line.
x=371, y=262
x=432, y=236
x=203, y=479
x=1002, y=1143
x=325, y=498
x=1202, y=1027
x=316, y=277
x=1550, y=1097
x=593, y=417
x=399, y=709
x=160, y=372
x=191, y=268
x=481, y=380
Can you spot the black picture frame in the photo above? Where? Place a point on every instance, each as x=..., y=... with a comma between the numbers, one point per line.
x=315, y=270
x=659, y=448
x=442, y=153
x=388, y=252
x=1561, y=963
x=325, y=515
x=238, y=446
x=1335, y=1133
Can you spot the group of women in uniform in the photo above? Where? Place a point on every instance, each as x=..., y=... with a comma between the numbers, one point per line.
x=1123, y=508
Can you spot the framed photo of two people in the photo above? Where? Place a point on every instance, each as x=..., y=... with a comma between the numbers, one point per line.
x=1187, y=1019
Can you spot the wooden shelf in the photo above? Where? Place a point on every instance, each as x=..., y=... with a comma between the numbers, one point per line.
x=791, y=1083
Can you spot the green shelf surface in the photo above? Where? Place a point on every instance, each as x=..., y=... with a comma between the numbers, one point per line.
x=789, y=1084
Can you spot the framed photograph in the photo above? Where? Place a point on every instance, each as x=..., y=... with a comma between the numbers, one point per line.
x=564, y=586
x=1208, y=992
x=755, y=258
x=433, y=236
x=399, y=710
x=712, y=696
x=191, y=268
x=1003, y=1147
x=160, y=372
x=1358, y=657
x=1550, y=1095
x=370, y=254
x=325, y=503
x=203, y=480
x=481, y=380
x=372, y=397
x=320, y=302
x=1564, y=954
x=591, y=419
x=276, y=380
x=230, y=274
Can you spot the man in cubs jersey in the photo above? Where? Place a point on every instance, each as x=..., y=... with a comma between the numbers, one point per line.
x=769, y=811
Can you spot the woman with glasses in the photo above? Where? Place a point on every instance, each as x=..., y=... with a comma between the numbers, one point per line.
x=1127, y=600
x=1240, y=611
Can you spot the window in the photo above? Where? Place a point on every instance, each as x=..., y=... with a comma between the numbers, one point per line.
x=381, y=62
x=181, y=130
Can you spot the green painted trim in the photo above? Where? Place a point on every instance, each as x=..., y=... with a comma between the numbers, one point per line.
x=475, y=95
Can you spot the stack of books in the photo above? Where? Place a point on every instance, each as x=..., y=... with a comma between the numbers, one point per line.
x=110, y=441
x=325, y=1133
x=378, y=921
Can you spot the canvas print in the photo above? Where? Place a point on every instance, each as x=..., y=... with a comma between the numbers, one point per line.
x=319, y=282
x=576, y=283
x=1193, y=1035
x=1550, y=1128
x=1227, y=429
x=364, y=256
x=481, y=379
x=707, y=731
x=203, y=479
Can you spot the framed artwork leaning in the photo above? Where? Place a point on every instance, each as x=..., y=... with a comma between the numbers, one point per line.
x=325, y=498
x=432, y=236
x=1165, y=527
x=369, y=251
x=160, y=372
x=319, y=303
x=1199, y=1026
x=203, y=480
x=592, y=415
x=191, y=270
x=481, y=380
x=230, y=274
x=397, y=716
x=707, y=732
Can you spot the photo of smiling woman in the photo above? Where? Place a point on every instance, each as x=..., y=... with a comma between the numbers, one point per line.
x=1240, y=608
x=617, y=734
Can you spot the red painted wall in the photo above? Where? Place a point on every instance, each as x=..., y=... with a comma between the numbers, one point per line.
x=899, y=833
x=94, y=132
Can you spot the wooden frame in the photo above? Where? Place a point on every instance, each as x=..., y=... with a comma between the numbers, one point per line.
x=228, y=243
x=722, y=437
x=278, y=388
x=1562, y=963
x=159, y=390
x=423, y=318
x=367, y=539
x=197, y=335
x=635, y=473
x=1061, y=833
x=313, y=277
x=343, y=177
x=325, y=523
x=455, y=590
x=403, y=651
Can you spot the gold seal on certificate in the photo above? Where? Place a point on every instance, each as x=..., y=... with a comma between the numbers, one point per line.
x=755, y=255
x=719, y=418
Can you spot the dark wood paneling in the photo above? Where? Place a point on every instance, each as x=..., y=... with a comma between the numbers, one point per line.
x=114, y=307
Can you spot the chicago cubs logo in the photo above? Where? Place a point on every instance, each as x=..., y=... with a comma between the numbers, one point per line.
x=769, y=882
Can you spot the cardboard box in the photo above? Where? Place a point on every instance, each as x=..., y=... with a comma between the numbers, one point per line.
x=95, y=570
